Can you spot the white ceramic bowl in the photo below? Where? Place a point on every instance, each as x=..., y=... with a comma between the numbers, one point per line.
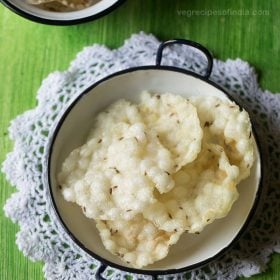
x=37, y=14
x=192, y=250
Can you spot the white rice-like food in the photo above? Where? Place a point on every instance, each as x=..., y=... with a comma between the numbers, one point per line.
x=225, y=125
x=175, y=120
x=137, y=242
x=204, y=191
x=151, y=171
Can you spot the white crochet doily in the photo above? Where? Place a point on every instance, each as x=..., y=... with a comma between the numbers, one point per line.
x=42, y=238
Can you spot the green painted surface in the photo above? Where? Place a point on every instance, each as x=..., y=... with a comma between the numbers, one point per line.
x=29, y=51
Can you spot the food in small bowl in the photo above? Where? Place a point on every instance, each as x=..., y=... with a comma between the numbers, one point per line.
x=148, y=158
x=152, y=171
x=62, y=12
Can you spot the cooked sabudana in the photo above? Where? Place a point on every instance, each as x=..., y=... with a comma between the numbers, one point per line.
x=225, y=125
x=176, y=123
x=116, y=173
x=151, y=171
x=204, y=191
x=138, y=241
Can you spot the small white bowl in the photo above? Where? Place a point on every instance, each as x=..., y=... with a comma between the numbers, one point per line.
x=192, y=250
x=34, y=13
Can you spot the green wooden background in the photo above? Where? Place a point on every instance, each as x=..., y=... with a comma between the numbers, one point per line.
x=29, y=51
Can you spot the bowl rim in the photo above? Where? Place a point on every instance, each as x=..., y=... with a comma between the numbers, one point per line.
x=153, y=272
x=42, y=20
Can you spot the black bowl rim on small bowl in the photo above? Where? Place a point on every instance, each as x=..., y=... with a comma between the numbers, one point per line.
x=158, y=66
x=42, y=20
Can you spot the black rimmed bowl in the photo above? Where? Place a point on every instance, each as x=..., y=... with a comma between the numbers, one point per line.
x=37, y=14
x=191, y=251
